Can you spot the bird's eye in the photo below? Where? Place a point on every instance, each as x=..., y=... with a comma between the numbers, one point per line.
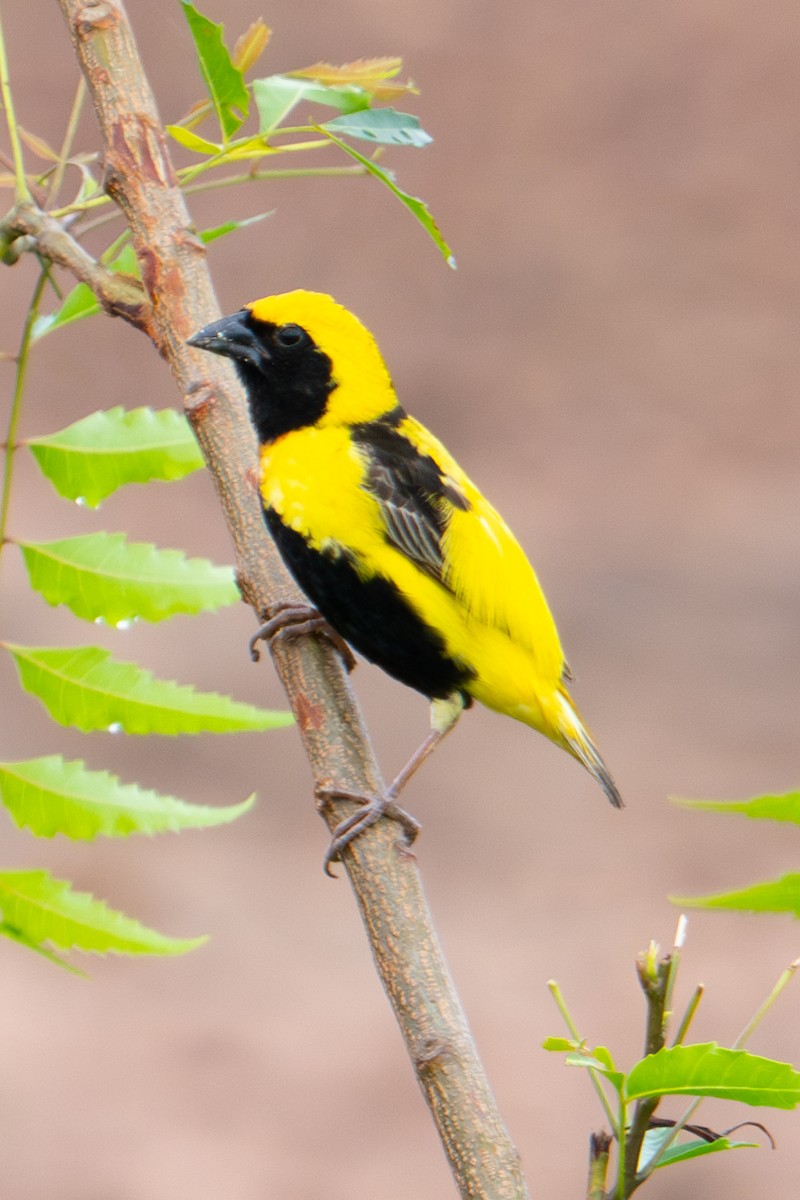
x=291, y=335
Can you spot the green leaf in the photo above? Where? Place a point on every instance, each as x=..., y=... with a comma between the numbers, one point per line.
x=415, y=206
x=600, y=1063
x=192, y=141
x=710, y=1070
x=81, y=301
x=383, y=125
x=275, y=98
x=277, y=95
x=211, y=235
x=77, y=304
x=124, y=262
x=783, y=807
x=104, y=577
x=89, y=460
x=84, y=687
x=43, y=909
x=681, y=1151
x=578, y=1055
x=579, y=1059
x=49, y=795
x=561, y=1045
x=779, y=895
x=16, y=936
x=225, y=83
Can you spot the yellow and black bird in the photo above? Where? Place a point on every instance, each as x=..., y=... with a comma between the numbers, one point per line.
x=392, y=543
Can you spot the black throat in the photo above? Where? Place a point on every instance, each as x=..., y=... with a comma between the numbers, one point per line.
x=289, y=390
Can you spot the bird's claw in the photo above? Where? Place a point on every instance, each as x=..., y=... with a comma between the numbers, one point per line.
x=370, y=810
x=297, y=620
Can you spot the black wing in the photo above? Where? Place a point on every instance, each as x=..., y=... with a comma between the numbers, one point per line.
x=415, y=498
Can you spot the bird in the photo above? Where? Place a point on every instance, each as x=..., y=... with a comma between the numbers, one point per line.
x=400, y=554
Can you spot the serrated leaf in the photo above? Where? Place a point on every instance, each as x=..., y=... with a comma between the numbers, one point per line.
x=367, y=75
x=89, y=460
x=711, y=1070
x=211, y=235
x=363, y=71
x=192, y=141
x=781, y=807
x=415, y=206
x=49, y=795
x=103, y=576
x=251, y=45
x=779, y=895
x=383, y=125
x=16, y=936
x=682, y=1151
x=225, y=84
x=44, y=909
x=84, y=687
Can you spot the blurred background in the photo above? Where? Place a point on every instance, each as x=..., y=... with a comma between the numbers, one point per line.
x=616, y=362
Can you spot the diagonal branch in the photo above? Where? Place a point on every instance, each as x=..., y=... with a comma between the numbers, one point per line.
x=384, y=877
x=27, y=228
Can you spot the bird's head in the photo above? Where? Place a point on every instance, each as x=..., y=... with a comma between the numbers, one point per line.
x=304, y=360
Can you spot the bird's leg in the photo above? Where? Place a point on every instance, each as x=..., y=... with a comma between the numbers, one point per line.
x=444, y=715
x=296, y=620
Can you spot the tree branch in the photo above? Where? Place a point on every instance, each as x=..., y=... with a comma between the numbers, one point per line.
x=383, y=875
x=27, y=228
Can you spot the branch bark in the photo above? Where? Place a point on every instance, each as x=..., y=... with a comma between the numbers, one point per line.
x=27, y=228
x=383, y=875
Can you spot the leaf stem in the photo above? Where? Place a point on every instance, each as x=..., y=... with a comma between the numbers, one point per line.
x=16, y=402
x=783, y=979
x=277, y=173
x=621, y=1147
x=80, y=207
x=688, y=1016
x=22, y=189
x=66, y=145
x=561, y=1005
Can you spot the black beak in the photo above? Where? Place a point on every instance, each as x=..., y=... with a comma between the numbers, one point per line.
x=232, y=337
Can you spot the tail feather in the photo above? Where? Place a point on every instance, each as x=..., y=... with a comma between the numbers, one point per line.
x=576, y=739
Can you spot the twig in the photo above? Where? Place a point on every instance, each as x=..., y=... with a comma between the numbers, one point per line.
x=599, y=1147
x=66, y=145
x=119, y=295
x=7, y=101
x=655, y=976
x=9, y=446
x=384, y=877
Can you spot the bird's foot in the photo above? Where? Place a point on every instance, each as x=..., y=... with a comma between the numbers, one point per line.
x=297, y=620
x=370, y=810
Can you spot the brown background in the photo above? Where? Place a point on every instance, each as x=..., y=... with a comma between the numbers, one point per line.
x=616, y=361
